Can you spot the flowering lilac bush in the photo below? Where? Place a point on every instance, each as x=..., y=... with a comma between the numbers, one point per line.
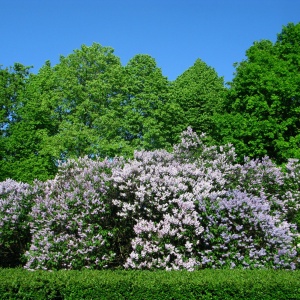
x=243, y=232
x=15, y=205
x=72, y=220
x=291, y=196
x=155, y=195
x=189, y=209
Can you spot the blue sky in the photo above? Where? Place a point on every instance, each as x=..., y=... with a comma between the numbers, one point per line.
x=174, y=32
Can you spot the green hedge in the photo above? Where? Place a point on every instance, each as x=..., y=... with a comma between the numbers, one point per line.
x=205, y=284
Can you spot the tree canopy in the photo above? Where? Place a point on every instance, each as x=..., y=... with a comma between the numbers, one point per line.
x=89, y=104
x=200, y=93
x=263, y=101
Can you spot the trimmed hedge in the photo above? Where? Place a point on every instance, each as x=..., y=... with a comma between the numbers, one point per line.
x=204, y=284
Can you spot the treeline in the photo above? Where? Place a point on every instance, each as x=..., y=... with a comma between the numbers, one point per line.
x=89, y=104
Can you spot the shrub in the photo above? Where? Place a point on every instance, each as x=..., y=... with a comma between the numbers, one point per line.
x=72, y=220
x=193, y=208
x=196, y=211
x=15, y=205
x=292, y=191
x=142, y=285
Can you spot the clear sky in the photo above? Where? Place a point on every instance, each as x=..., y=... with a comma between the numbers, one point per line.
x=174, y=32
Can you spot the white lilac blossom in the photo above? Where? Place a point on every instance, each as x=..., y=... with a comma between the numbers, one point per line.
x=193, y=208
x=71, y=220
x=210, y=212
x=246, y=231
x=15, y=205
x=291, y=196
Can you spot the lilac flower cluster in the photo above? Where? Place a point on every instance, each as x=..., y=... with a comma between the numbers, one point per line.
x=189, y=209
x=71, y=219
x=291, y=196
x=15, y=205
x=194, y=208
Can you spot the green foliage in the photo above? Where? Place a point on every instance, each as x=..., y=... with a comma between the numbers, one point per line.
x=263, y=102
x=12, y=87
x=12, y=82
x=16, y=201
x=148, y=114
x=81, y=100
x=89, y=104
x=200, y=93
x=206, y=284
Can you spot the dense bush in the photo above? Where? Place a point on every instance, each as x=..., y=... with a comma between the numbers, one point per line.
x=193, y=208
x=142, y=285
x=15, y=205
x=73, y=224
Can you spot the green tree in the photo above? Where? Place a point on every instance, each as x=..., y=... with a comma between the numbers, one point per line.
x=64, y=111
x=199, y=91
x=149, y=114
x=263, y=103
x=89, y=104
x=86, y=85
x=13, y=83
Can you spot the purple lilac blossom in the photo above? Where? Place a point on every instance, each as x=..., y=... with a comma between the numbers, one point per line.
x=192, y=208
